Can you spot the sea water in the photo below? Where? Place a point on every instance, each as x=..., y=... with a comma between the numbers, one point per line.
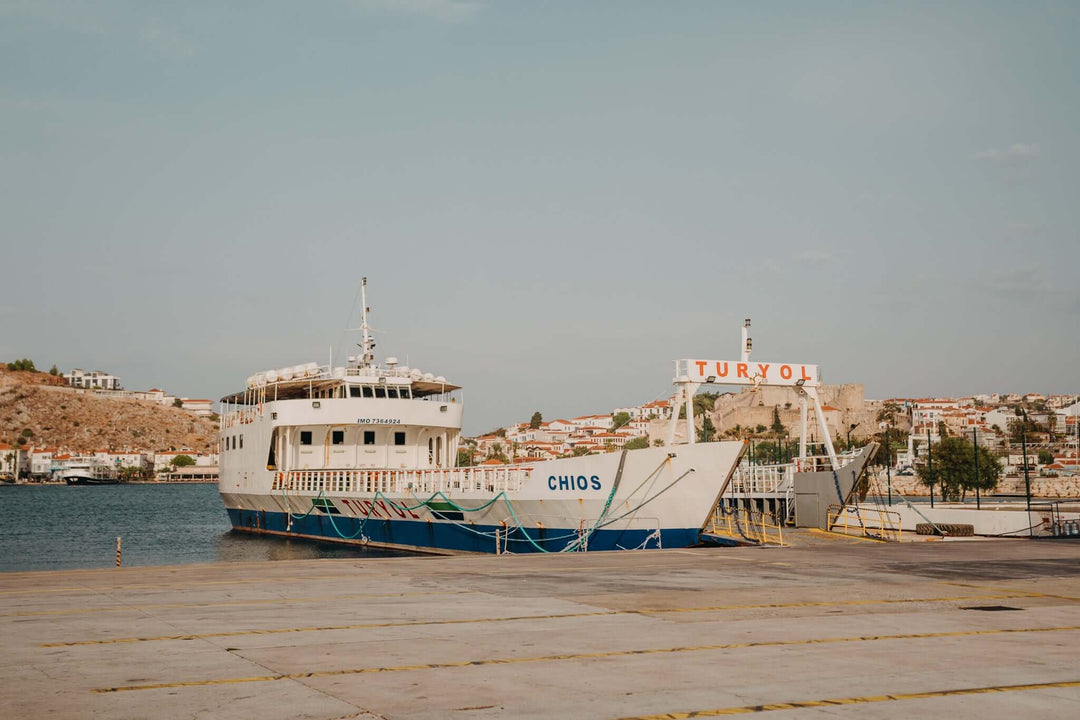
x=55, y=527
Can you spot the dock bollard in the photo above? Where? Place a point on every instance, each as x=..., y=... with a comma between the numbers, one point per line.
x=118, y=551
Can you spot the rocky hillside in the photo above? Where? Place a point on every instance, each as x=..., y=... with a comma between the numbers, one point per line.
x=56, y=415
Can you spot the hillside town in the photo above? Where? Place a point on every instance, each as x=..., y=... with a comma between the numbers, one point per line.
x=51, y=422
x=1045, y=426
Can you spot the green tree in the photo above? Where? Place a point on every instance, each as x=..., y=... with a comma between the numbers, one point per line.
x=579, y=451
x=54, y=371
x=178, y=403
x=889, y=412
x=1045, y=457
x=760, y=429
x=23, y=364
x=777, y=427
x=464, y=457
x=536, y=419
x=708, y=431
x=496, y=453
x=954, y=469
x=637, y=443
x=619, y=420
x=183, y=461
x=1023, y=425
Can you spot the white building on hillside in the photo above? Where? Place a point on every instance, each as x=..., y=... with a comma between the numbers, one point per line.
x=93, y=380
x=202, y=408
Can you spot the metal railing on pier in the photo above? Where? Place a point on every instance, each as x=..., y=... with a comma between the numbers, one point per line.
x=871, y=522
x=746, y=524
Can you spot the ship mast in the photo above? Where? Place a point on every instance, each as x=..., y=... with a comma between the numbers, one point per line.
x=367, y=344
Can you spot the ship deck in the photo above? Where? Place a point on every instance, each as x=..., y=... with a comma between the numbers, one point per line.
x=833, y=625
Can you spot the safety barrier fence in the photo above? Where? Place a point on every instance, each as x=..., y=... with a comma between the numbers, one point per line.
x=750, y=525
x=866, y=521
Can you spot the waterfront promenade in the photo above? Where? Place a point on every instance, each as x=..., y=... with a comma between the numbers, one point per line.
x=833, y=627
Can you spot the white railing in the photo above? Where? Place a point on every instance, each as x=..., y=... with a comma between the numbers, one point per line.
x=417, y=482
x=242, y=416
x=761, y=479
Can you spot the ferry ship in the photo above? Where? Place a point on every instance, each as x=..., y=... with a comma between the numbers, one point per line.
x=365, y=453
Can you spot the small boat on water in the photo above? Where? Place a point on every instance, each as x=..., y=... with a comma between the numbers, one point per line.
x=85, y=474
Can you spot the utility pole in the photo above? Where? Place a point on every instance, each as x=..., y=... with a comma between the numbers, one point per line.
x=1027, y=478
x=888, y=462
x=930, y=465
x=975, y=444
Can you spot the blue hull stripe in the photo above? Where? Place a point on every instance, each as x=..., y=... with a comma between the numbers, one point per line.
x=449, y=537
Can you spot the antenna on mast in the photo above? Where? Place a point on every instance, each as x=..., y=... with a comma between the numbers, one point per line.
x=367, y=345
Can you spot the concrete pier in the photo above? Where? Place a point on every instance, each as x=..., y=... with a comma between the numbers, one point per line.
x=835, y=627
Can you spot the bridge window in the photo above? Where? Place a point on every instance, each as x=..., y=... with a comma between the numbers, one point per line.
x=305, y=437
x=369, y=437
x=380, y=392
x=337, y=437
x=391, y=392
x=399, y=438
x=354, y=391
x=368, y=391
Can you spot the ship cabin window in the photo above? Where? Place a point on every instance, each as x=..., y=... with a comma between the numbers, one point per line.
x=391, y=392
x=380, y=392
x=369, y=437
x=354, y=391
x=369, y=391
x=233, y=442
x=404, y=393
x=305, y=437
x=241, y=442
x=399, y=438
x=337, y=437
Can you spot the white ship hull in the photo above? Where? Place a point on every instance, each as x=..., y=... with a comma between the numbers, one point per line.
x=648, y=498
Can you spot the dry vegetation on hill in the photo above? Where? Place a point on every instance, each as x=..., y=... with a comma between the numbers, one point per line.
x=56, y=415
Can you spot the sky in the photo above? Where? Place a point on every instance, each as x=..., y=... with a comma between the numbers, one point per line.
x=552, y=201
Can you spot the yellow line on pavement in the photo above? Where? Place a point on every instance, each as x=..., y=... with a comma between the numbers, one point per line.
x=579, y=656
x=858, y=700
x=226, y=603
x=511, y=618
x=181, y=584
